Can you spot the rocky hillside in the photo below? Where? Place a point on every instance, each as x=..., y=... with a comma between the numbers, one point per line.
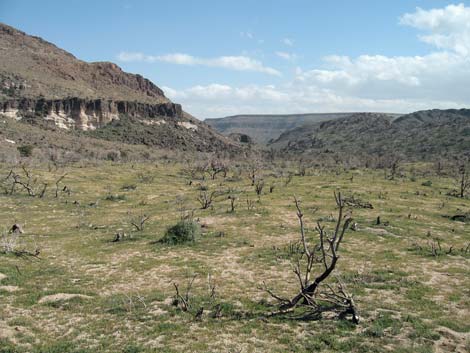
x=263, y=128
x=422, y=135
x=41, y=83
x=31, y=67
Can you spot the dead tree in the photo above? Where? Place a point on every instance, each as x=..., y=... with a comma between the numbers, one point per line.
x=322, y=256
x=302, y=168
x=26, y=181
x=217, y=167
x=393, y=166
x=183, y=300
x=250, y=204
x=288, y=178
x=253, y=170
x=233, y=199
x=139, y=222
x=206, y=198
x=259, y=186
x=58, y=181
x=463, y=179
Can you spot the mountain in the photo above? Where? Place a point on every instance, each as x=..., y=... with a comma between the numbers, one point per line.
x=263, y=128
x=43, y=84
x=423, y=135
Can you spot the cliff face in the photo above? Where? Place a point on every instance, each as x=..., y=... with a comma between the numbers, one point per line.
x=37, y=78
x=82, y=114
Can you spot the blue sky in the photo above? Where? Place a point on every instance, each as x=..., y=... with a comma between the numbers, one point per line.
x=220, y=58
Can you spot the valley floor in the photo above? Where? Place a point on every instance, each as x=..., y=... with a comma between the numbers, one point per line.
x=85, y=293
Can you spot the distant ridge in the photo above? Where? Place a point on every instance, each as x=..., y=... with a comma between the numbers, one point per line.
x=419, y=136
x=263, y=128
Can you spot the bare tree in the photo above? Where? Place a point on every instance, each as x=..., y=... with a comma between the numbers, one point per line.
x=302, y=168
x=57, y=183
x=321, y=256
x=391, y=166
x=259, y=186
x=183, y=300
x=139, y=222
x=253, y=170
x=288, y=178
x=26, y=181
x=250, y=204
x=463, y=179
x=217, y=166
x=206, y=198
x=233, y=198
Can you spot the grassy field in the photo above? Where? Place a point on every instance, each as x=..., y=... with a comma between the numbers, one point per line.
x=86, y=293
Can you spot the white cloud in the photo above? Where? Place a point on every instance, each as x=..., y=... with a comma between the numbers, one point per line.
x=286, y=56
x=287, y=41
x=449, y=27
x=218, y=100
x=238, y=63
x=248, y=35
x=367, y=82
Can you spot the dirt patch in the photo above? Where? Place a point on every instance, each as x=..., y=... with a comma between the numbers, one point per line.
x=379, y=231
x=61, y=297
x=452, y=341
x=6, y=332
x=9, y=289
x=2, y=276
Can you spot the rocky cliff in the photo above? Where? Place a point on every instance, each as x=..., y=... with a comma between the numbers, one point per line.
x=83, y=114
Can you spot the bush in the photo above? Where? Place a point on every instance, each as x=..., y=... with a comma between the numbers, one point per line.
x=182, y=232
x=427, y=183
x=115, y=197
x=25, y=150
x=113, y=156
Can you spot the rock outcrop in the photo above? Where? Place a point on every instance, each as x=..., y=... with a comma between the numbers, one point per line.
x=82, y=114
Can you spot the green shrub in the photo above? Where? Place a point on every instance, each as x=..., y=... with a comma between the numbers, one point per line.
x=25, y=150
x=427, y=183
x=182, y=232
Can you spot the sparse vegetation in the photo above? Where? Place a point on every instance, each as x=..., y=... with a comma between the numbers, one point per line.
x=378, y=263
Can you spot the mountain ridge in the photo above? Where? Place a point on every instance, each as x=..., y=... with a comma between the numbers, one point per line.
x=263, y=128
x=421, y=135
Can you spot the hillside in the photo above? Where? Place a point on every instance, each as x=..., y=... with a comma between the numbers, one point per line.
x=263, y=128
x=31, y=67
x=47, y=86
x=422, y=135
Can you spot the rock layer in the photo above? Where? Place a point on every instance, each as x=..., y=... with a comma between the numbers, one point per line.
x=83, y=114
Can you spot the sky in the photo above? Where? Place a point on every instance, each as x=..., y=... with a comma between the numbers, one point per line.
x=220, y=58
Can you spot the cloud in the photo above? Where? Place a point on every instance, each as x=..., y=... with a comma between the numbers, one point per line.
x=248, y=35
x=286, y=56
x=238, y=63
x=287, y=41
x=218, y=100
x=449, y=27
x=368, y=82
